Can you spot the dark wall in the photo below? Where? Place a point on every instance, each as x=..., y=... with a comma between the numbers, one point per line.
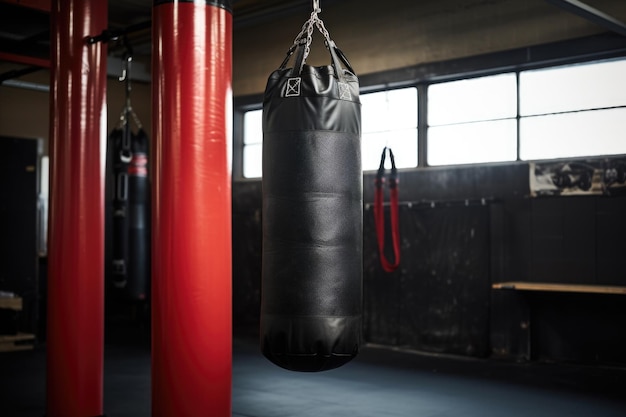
x=438, y=300
x=567, y=240
x=19, y=181
x=247, y=240
x=462, y=229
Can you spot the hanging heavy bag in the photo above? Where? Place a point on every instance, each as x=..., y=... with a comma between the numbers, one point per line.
x=131, y=199
x=311, y=292
x=138, y=265
x=120, y=138
x=130, y=211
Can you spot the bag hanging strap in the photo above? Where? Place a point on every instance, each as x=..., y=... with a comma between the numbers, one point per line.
x=123, y=155
x=302, y=43
x=127, y=113
x=379, y=212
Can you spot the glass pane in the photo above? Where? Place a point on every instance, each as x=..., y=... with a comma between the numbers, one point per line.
x=389, y=110
x=253, y=127
x=252, y=160
x=577, y=87
x=589, y=133
x=493, y=141
x=477, y=99
x=403, y=143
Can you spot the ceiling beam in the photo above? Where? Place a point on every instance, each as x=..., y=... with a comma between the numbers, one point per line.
x=17, y=73
x=23, y=59
x=592, y=14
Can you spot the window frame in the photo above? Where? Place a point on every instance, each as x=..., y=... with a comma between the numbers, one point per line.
x=380, y=89
x=578, y=51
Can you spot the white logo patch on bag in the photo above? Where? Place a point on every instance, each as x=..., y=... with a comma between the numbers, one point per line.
x=293, y=87
x=344, y=91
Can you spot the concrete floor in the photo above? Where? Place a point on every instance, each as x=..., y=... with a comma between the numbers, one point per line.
x=380, y=382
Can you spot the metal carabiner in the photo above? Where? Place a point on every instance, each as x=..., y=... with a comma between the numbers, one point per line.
x=316, y=6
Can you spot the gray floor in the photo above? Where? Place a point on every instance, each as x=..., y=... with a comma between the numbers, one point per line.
x=378, y=383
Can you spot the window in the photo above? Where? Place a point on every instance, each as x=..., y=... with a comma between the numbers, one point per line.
x=389, y=118
x=555, y=112
x=252, y=143
x=572, y=111
x=473, y=121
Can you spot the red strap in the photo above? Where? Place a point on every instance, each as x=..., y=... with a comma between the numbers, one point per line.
x=379, y=215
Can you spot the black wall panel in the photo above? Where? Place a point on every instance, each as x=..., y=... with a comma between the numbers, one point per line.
x=611, y=241
x=458, y=183
x=511, y=240
x=247, y=240
x=19, y=179
x=438, y=300
x=462, y=229
x=580, y=328
x=564, y=240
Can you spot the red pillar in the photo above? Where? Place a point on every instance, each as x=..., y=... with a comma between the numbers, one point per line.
x=76, y=269
x=191, y=259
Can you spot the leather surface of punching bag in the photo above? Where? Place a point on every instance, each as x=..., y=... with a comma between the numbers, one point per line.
x=312, y=215
x=119, y=139
x=130, y=217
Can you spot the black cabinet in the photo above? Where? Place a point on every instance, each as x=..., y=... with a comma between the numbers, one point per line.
x=19, y=224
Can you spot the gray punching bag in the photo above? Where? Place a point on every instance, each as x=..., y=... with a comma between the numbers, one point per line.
x=311, y=292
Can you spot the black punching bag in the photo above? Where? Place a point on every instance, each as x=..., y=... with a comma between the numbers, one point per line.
x=137, y=287
x=129, y=228
x=120, y=141
x=312, y=211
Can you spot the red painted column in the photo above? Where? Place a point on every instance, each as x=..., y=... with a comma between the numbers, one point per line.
x=191, y=258
x=76, y=242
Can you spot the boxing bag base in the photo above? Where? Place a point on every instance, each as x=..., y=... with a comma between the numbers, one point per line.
x=310, y=344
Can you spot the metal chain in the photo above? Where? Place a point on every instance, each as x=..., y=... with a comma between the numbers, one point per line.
x=314, y=20
x=306, y=33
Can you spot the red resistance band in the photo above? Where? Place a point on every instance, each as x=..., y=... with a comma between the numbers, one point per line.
x=379, y=212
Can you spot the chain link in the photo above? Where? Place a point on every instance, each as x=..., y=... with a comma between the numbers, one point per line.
x=314, y=21
x=306, y=35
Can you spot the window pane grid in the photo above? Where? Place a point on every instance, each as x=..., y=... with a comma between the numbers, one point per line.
x=472, y=100
x=253, y=127
x=402, y=142
x=252, y=143
x=573, y=111
x=558, y=112
x=575, y=87
x=473, y=121
x=472, y=143
x=389, y=119
x=573, y=134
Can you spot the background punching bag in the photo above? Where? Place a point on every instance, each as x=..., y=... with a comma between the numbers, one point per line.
x=129, y=219
x=128, y=231
x=119, y=141
x=312, y=211
x=137, y=286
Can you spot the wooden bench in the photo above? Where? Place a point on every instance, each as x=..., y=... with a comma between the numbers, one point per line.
x=553, y=287
x=20, y=341
x=512, y=319
x=12, y=303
